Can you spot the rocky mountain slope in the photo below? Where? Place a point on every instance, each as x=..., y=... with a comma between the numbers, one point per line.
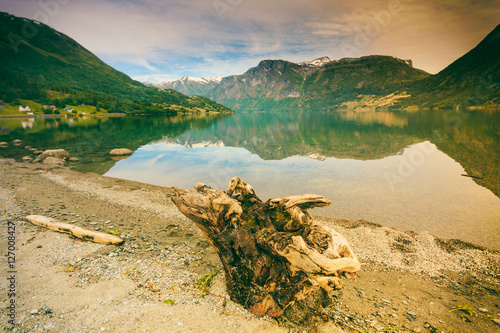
x=317, y=85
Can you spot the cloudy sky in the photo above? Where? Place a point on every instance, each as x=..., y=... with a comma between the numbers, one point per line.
x=166, y=39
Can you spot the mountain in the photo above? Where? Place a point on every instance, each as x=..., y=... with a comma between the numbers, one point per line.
x=370, y=81
x=473, y=79
x=40, y=63
x=188, y=85
x=320, y=84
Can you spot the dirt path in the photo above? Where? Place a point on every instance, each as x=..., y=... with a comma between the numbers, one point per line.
x=409, y=282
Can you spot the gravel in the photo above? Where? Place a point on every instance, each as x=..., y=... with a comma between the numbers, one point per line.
x=409, y=281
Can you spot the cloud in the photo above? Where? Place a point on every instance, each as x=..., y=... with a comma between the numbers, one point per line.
x=222, y=37
x=146, y=64
x=327, y=28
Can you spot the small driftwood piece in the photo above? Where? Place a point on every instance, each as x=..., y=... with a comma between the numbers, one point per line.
x=272, y=252
x=83, y=233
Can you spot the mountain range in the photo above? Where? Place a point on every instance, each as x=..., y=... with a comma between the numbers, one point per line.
x=311, y=85
x=189, y=85
x=316, y=85
x=42, y=64
x=322, y=84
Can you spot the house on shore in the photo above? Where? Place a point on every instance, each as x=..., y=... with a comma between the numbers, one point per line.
x=2, y=105
x=24, y=108
x=53, y=107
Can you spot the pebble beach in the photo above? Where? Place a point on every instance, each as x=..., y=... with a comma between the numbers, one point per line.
x=156, y=281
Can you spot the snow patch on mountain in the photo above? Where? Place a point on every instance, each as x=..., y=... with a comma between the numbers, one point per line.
x=201, y=79
x=316, y=62
x=188, y=79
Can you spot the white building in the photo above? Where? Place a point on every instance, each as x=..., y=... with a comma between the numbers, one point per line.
x=24, y=108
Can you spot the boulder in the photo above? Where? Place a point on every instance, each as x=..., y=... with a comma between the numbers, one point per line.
x=17, y=142
x=74, y=159
x=53, y=161
x=57, y=153
x=121, y=152
x=27, y=158
x=3, y=144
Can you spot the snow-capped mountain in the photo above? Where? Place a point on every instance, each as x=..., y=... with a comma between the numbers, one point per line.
x=189, y=85
x=316, y=62
x=320, y=84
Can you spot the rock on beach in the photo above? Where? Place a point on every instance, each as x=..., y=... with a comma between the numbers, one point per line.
x=121, y=152
x=57, y=153
x=53, y=161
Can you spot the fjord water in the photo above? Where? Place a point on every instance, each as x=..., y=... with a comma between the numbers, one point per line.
x=398, y=169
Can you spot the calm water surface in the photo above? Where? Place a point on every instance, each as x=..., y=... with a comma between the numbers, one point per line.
x=403, y=170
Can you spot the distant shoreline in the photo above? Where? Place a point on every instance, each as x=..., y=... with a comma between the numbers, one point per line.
x=109, y=115
x=63, y=115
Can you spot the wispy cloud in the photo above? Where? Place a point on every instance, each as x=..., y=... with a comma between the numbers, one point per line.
x=156, y=38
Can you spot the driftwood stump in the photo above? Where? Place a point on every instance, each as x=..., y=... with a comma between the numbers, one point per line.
x=272, y=252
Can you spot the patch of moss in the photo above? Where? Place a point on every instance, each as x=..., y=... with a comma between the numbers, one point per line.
x=241, y=283
x=249, y=215
x=281, y=217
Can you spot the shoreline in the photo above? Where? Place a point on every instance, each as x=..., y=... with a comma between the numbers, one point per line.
x=7, y=116
x=409, y=281
x=102, y=115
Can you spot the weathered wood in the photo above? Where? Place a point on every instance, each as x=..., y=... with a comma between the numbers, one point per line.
x=272, y=252
x=83, y=233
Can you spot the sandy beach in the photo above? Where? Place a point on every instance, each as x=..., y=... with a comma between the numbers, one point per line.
x=410, y=282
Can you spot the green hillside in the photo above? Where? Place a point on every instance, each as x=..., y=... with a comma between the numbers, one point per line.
x=471, y=80
x=42, y=64
x=283, y=85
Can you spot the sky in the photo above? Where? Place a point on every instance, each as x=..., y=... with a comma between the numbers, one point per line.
x=155, y=40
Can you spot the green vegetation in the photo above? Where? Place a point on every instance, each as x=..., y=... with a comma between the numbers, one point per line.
x=283, y=85
x=470, y=81
x=205, y=282
x=464, y=308
x=37, y=108
x=169, y=301
x=40, y=64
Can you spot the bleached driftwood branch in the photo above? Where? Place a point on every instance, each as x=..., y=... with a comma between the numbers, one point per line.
x=83, y=233
x=272, y=252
